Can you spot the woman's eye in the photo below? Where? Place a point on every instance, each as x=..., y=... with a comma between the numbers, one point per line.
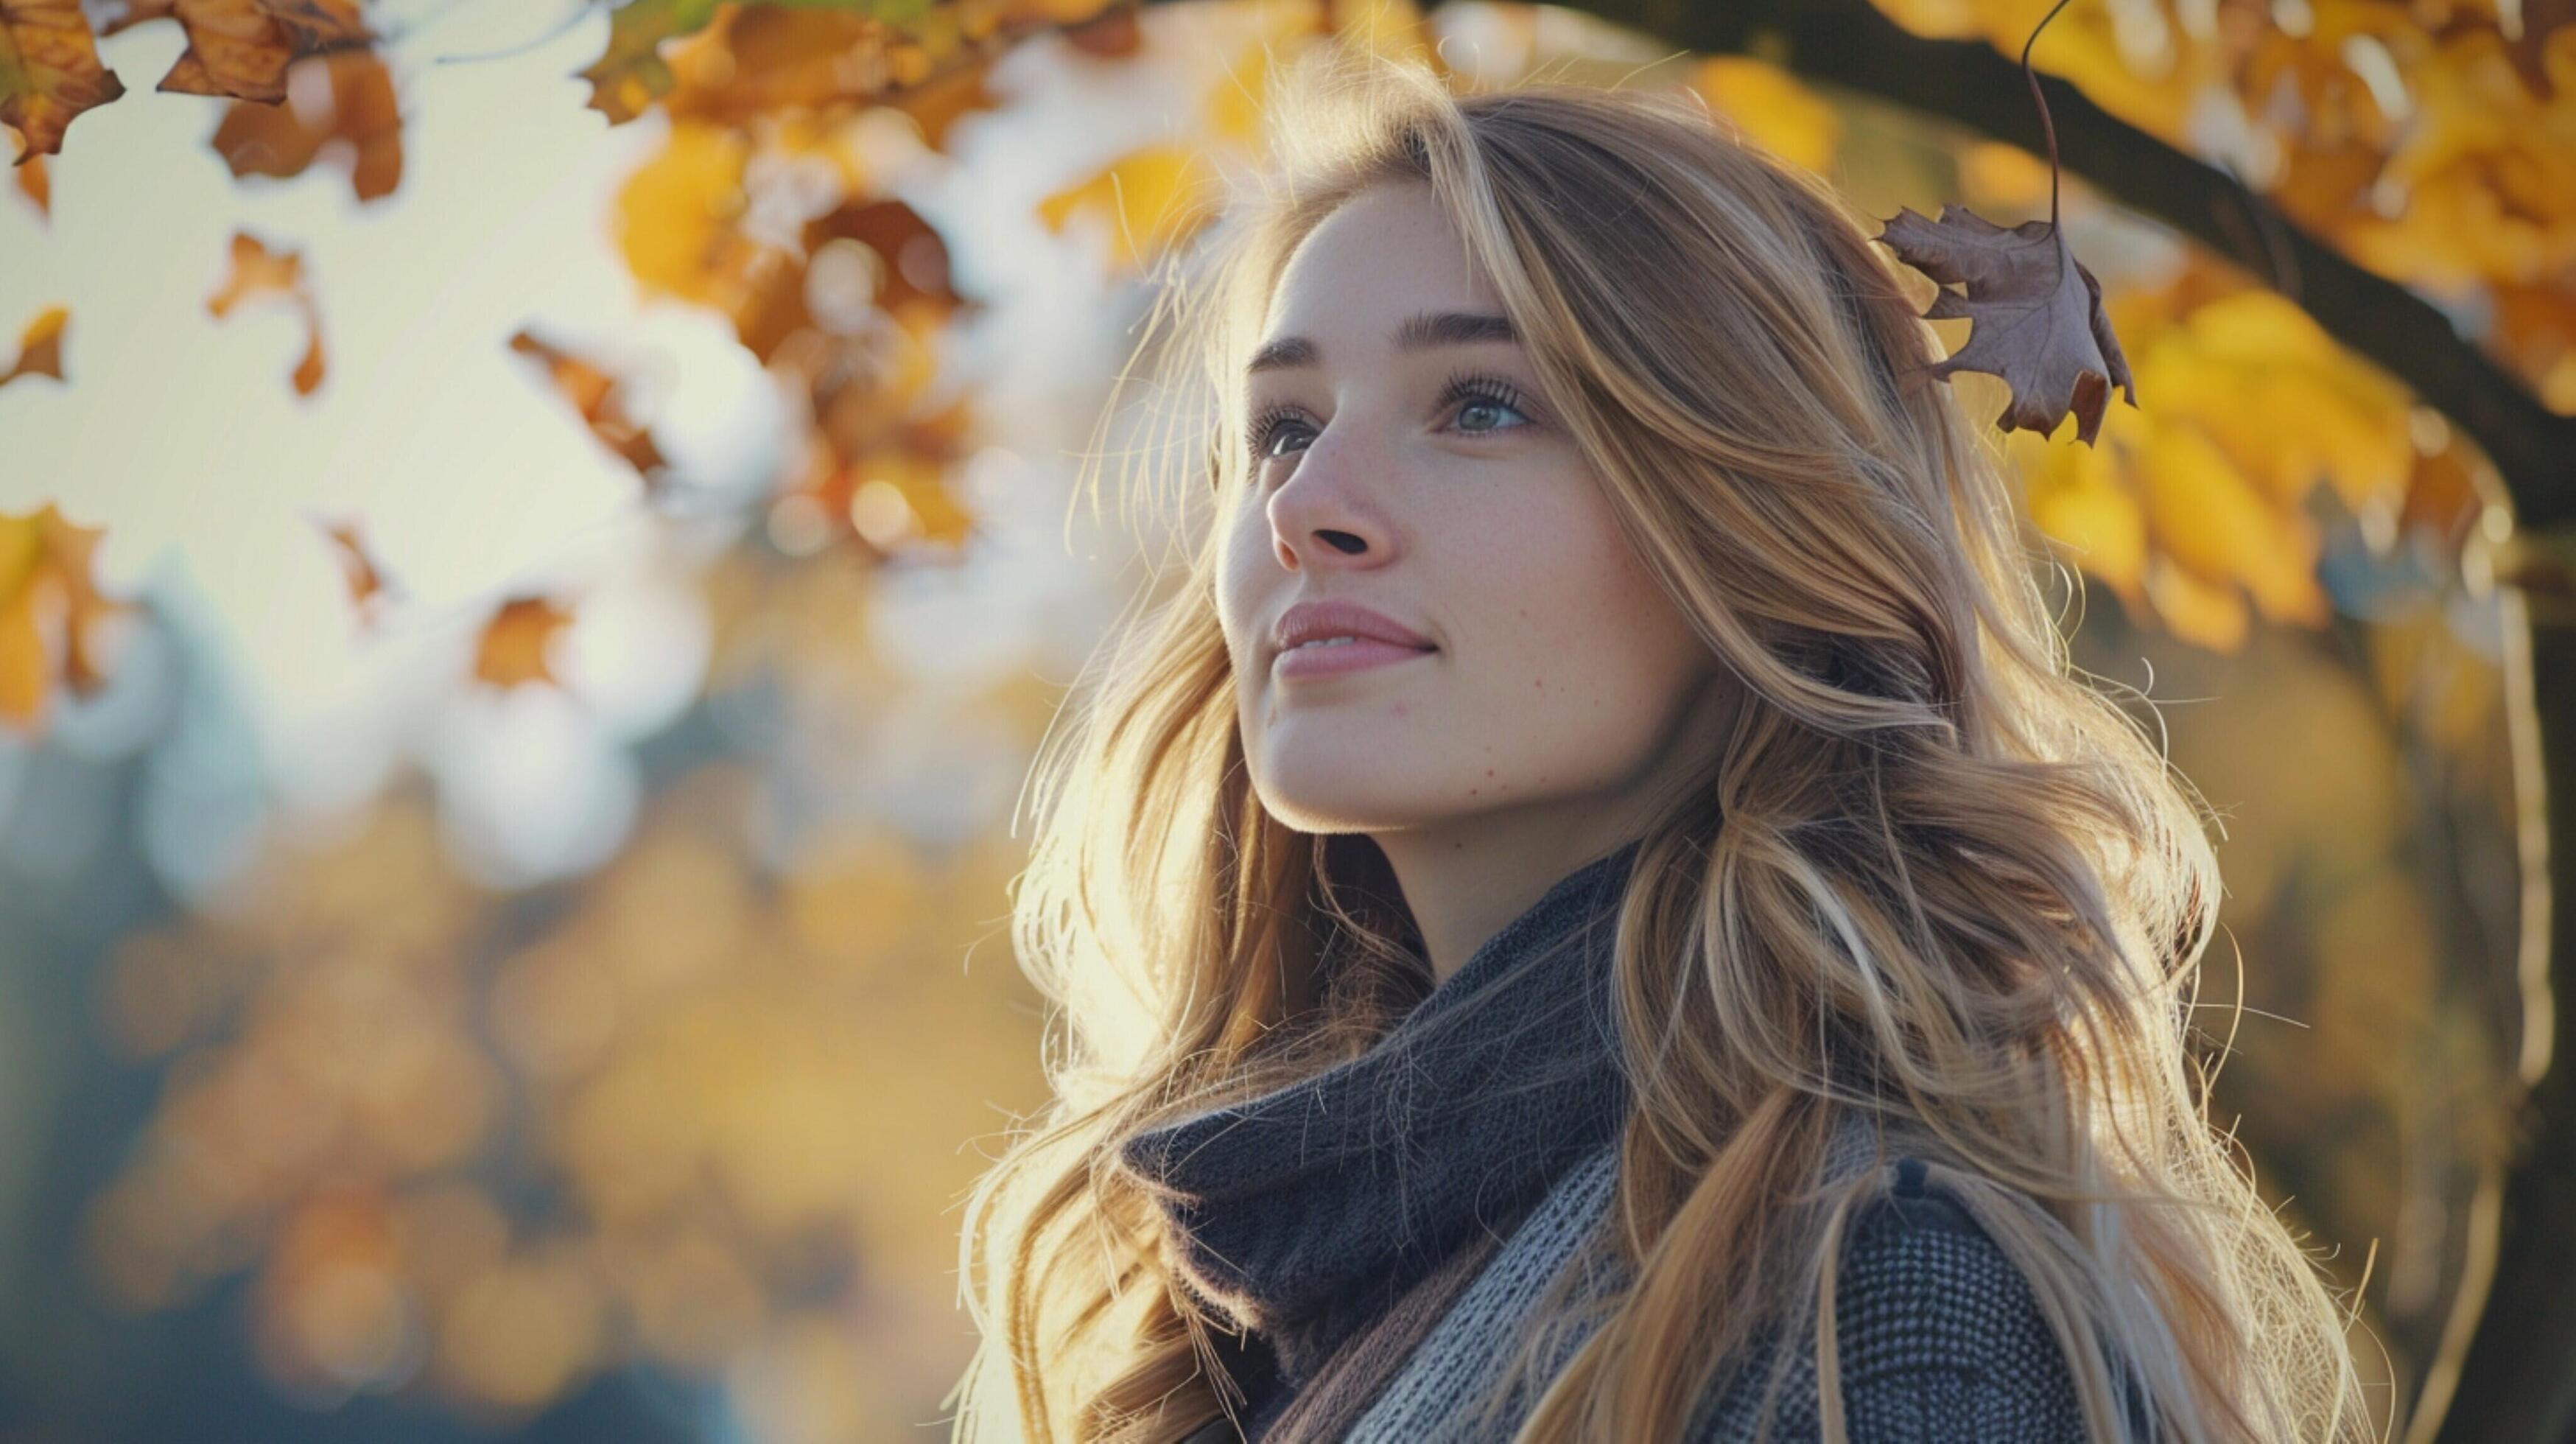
x=1266, y=431
x=1488, y=403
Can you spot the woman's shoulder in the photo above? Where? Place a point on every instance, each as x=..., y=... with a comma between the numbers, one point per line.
x=1923, y=1285
x=1938, y=1335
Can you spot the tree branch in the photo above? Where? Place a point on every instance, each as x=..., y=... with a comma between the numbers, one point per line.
x=1849, y=43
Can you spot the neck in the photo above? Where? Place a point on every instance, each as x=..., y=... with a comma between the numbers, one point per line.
x=1461, y=888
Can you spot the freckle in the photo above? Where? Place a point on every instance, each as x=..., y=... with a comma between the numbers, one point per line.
x=1489, y=772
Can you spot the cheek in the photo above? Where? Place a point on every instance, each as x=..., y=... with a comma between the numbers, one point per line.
x=1567, y=617
x=1240, y=595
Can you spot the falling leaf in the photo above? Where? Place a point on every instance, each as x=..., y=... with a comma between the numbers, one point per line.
x=49, y=72
x=343, y=101
x=52, y=615
x=36, y=184
x=368, y=590
x=40, y=350
x=2037, y=313
x=258, y=271
x=601, y=400
x=242, y=48
x=516, y=640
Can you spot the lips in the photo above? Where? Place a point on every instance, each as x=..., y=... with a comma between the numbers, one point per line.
x=1307, y=621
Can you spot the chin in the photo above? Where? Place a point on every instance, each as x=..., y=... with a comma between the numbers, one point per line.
x=1347, y=791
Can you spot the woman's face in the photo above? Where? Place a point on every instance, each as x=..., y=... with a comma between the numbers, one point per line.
x=1415, y=470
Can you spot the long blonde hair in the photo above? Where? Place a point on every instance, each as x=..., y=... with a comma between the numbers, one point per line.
x=1933, y=877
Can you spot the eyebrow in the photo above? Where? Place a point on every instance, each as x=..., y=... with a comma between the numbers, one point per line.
x=1420, y=331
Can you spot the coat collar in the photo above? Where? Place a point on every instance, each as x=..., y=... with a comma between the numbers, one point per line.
x=1303, y=1213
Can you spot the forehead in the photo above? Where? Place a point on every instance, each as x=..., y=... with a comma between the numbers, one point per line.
x=1385, y=253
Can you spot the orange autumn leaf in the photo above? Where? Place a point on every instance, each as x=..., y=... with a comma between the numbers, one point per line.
x=49, y=72
x=600, y=399
x=759, y=60
x=50, y=613
x=1113, y=34
x=258, y=271
x=343, y=102
x=37, y=185
x=242, y=48
x=945, y=98
x=515, y=642
x=368, y=589
x=40, y=350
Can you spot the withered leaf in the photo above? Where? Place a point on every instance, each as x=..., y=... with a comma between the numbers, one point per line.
x=241, y=48
x=258, y=271
x=52, y=613
x=342, y=100
x=37, y=185
x=515, y=641
x=1113, y=33
x=368, y=589
x=49, y=72
x=601, y=400
x=2038, y=314
x=40, y=350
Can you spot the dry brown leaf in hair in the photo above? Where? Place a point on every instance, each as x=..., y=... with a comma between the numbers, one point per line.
x=2037, y=312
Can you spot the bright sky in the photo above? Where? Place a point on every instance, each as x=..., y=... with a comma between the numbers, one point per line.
x=182, y=436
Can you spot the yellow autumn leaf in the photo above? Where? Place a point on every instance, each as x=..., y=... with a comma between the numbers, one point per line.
x=1934, y=19
x=2000, y=177
x=2077, y=497
x=1147, y=198
x=1236, y=102
x=1770, y=108
x=2204, y=514
x=2202, y=613
x=675, y=213
x=2288, y=405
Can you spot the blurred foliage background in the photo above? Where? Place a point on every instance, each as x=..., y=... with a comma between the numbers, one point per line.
x=536, y=547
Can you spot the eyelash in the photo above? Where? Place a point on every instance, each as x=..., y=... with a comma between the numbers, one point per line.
x=1462, y=388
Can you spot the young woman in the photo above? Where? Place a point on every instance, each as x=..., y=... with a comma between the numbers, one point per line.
x=1598, y=909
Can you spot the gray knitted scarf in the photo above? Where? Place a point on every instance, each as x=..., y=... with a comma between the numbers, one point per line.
x=1306, y=1214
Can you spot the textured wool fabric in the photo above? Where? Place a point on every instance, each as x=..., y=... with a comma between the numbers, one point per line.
x=1307, y=1212
x=1939, y=1337
x=1346, y=1383
x=1349, y=1221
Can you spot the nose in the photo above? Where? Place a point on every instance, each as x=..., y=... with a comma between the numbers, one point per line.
x=1323, y=515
